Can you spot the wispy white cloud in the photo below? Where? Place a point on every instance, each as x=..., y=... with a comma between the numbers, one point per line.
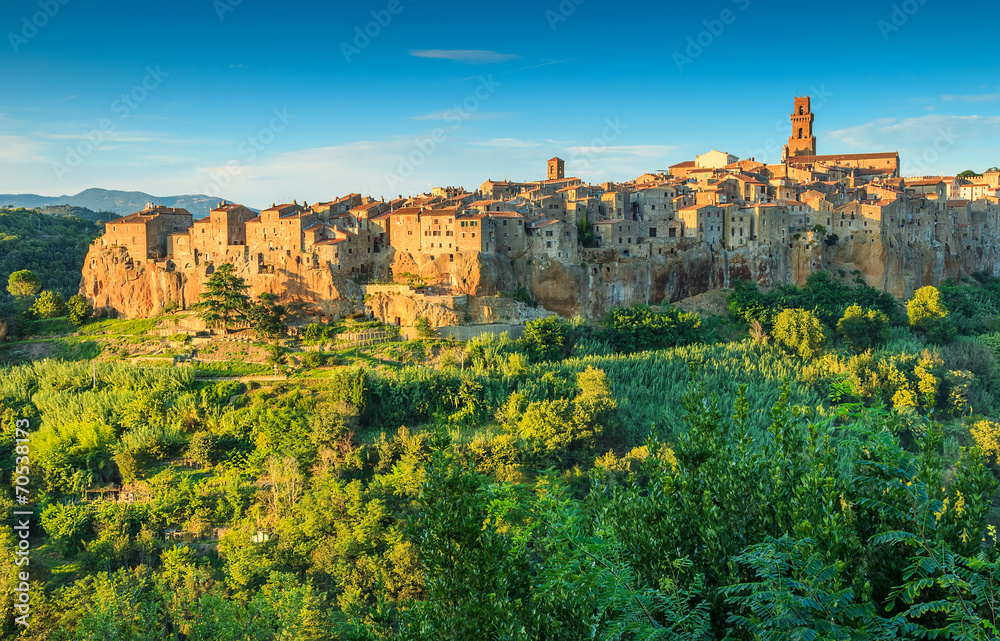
x=931, y=144
x=452, y=116
x=640, y=151
x=20, y=149
x=986, y=97
x=468, y=56
x=545, y=64
x=885, y=133
x=505, y=142
x=134, y=137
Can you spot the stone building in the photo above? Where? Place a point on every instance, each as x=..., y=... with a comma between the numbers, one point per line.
x=279, y=228
x=148, y=233
x=437, y=231
x=703, y=222
x=801, y=142
x=224, y=227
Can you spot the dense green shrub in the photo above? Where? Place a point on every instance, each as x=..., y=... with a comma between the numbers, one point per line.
x=639, y=328
x=801, y=332
x=863, y=328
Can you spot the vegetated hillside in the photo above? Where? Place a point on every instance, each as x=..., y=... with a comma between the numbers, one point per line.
x=119, y=202
x=830, y=473
x=78, y=212
x=53, y=246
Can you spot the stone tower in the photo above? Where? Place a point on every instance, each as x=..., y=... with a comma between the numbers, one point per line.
x=802, y=142
x=557, y=169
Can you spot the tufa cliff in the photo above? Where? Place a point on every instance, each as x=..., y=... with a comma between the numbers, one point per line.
x=466, y=290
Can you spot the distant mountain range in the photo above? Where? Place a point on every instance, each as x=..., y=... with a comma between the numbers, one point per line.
x=117, y=202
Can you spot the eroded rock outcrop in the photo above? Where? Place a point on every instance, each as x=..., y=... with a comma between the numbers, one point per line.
x=464, y=288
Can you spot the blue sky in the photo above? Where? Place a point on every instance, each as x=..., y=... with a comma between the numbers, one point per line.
x=262, y=101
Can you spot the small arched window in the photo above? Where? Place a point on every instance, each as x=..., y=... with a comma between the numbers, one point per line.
x=802, y=110
x=800, y=132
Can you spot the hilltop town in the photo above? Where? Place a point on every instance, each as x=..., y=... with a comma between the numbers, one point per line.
x=574, y=247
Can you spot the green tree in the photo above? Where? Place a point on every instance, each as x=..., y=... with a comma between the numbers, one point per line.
x=928, y=314
x=570, y=430
x=49, y=304
x=424, y=328
x=968, y=173
x=224, y=299
x=23, y=284
x=638, y=328
x=331, y=423
x=266, y=317
x=863, y=328
x=204, y=449
x=800, y=331
x=276, y=355
x=80, y=309
x=546, y=338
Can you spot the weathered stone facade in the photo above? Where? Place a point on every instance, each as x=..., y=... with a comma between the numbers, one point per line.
x=659, y=237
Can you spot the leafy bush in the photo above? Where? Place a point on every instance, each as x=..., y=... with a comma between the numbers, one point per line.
x=827, y=298
x=312, y=359
x=547, y=339
x=638, y=328
x=424, y=328
x=929, y=316
x=570, y=430
x=79, y=309
x=204, y=449
x=49, y=304
x=801, y=332
x=863, y=328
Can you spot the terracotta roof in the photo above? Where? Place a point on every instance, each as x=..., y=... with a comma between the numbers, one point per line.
x=439, y=212
x=834, y=157
x=503, y=214
x=227, y=207
x=959, y=203
x=284, y=207
x=368, y=206
x=927, y=182
x=406, y=211
x=147, y=214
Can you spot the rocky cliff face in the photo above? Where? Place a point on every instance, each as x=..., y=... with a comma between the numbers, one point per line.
x=466, y=290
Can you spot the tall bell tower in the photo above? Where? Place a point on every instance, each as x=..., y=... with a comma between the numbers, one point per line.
x=801, y=142
x=557, y=169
